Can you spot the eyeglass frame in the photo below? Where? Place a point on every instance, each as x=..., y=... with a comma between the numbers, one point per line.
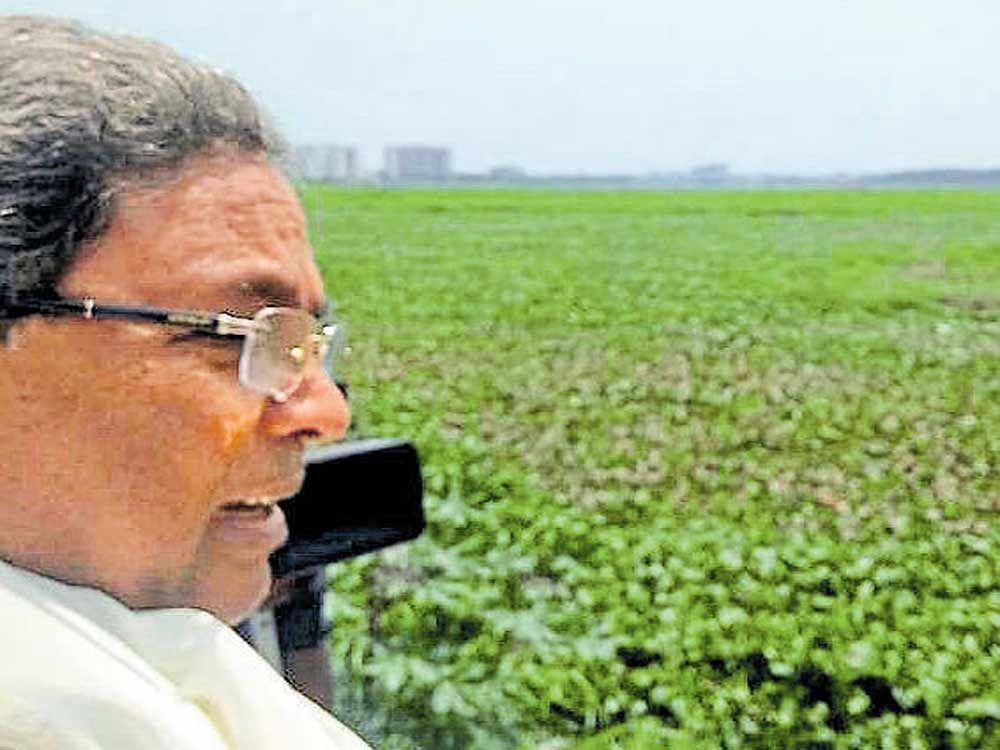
x=218, y=324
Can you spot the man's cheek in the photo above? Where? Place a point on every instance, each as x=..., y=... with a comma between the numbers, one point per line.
x=236, y=421
x=200, y=457
x=212, y=417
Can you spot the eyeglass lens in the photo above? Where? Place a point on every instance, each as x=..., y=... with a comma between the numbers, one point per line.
x=279, y=350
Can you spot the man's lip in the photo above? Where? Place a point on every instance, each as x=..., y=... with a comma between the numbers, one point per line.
x=270, y=495
x=255, y=532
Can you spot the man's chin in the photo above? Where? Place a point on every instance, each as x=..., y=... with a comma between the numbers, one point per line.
x=237, y=595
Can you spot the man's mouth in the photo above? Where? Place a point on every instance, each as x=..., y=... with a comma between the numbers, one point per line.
x=256, y=524
x=251, y=509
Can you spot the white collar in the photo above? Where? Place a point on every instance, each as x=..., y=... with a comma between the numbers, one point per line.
x=191, y=652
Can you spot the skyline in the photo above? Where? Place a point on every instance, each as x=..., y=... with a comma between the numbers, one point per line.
x=558, y=87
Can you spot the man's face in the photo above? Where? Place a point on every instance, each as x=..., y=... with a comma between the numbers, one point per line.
x=127, y=444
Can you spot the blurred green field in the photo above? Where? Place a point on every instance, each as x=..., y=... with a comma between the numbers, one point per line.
x=703, y=469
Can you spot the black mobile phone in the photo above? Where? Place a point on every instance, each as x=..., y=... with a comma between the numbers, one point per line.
x=357, y=497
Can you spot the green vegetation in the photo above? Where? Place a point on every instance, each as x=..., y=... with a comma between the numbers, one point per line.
x=703, y=470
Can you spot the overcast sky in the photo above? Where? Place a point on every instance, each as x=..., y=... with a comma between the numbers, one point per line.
x=606, y=86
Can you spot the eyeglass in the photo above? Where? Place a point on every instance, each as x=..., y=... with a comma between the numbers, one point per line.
x=279, y=343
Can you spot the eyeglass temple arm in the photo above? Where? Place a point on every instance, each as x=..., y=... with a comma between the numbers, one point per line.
x=220, y=323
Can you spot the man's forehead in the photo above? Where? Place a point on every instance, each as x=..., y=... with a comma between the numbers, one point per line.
x=225, y=236
x=241, y=230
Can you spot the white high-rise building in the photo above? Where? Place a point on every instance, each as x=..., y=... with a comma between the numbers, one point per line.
x=417, y=163
x=326, y=163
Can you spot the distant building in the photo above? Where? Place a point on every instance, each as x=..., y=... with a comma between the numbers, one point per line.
x=507, y=172
x=417, y=163
x=710, y=174
x=326, y=163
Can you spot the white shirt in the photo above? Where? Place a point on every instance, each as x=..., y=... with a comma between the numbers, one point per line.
x=80, y=671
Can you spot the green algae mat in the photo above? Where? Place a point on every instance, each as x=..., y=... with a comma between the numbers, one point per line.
x=703, y=469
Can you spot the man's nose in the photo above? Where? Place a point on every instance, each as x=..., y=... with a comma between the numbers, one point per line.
x=316, y=411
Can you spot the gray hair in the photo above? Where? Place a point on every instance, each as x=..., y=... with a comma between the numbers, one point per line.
x=82, y=113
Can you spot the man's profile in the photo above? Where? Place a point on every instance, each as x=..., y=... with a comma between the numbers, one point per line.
x=161, y=373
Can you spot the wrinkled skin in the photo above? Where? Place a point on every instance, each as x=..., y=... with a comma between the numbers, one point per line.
x=122, y=443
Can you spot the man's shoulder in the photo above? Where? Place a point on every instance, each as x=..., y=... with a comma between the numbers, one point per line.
x=110, y=678
x=38, y=719
x=66, y=684
x=44, y=642
x=24, y=726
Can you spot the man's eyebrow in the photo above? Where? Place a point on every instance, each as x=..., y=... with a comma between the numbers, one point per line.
x=276, y=292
